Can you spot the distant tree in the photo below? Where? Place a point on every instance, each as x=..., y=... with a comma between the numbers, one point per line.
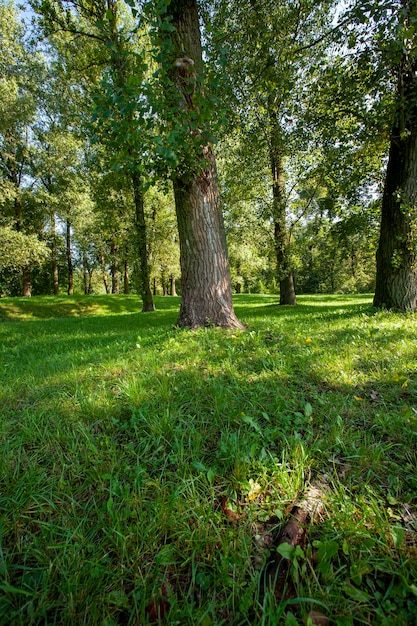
x=103, y=41
x=265, y=80
x=20, y=70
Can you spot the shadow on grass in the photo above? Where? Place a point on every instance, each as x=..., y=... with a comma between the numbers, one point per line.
x=50, y=307
x=157, y=405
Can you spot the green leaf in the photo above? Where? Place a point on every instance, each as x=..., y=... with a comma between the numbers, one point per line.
x=398, y=535
x=356, y=594
x=327, y=550
x=291, y=620
x=10, y=589
x=211, y=475
x=308, y=409
x=286, y=550
x=251, y=422
x=199, y=466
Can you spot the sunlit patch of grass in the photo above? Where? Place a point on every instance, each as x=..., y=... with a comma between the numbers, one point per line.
x=120, y=436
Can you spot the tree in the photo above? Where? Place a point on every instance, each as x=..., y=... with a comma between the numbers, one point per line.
x=19, y=71
x=272, y=58
x=106, y=33
x=396, y=277
x=205, y=272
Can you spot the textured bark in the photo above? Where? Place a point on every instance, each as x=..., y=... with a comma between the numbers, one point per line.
x=205, y=272
x=396, y=277
x=70, y=290
x=285, y=275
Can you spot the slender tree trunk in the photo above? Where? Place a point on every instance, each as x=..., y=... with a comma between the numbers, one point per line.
x=54, y=257
x=104, y=272
x=85, y=274
x=114, y=270
x=126, y=288
x=172, y=289
x=26, y=281
x=70, y=290
x=285, y=275
x=140, y=223
x=206, y=284
x=90, y=280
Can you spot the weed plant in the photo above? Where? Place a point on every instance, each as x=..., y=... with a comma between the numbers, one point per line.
x=121, y=436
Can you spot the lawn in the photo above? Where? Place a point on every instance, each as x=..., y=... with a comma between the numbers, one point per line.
x=148, y=473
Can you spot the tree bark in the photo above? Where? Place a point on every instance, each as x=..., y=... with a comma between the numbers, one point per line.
x=70, y=290
x=396, y=276
x=104, y=272
x=55, y=277
x=140, y=223
x=26, y=282
x=114, y=269
x=172, y=289
x=126, y=288
x=285, y=275
x=206, y=284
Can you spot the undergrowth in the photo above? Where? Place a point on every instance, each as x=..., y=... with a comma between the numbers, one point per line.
x=122, y=438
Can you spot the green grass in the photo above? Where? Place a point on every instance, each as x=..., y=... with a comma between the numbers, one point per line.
x=120, y=434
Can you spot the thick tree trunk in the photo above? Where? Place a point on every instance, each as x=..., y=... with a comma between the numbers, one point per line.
x=26, y=282
x=70, y=290
x=287, y=290
x=285, y=275
x=396, y=276
x=206, y=284
x=205, y=274
x=140, y=223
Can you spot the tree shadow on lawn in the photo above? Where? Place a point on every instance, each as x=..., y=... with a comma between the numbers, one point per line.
x=51, y=307
x=230, y=419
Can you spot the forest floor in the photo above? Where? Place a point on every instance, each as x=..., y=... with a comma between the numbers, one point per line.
x=262, y=477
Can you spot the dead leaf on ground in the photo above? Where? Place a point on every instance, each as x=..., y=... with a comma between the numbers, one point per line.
x=158, y=608
x=374, y=396
x=317, y=618
x=231, y=516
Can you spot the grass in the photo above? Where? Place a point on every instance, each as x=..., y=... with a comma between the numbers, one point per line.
x=121, y=434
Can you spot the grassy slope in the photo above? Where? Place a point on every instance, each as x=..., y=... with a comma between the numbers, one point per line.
x=119, y=436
